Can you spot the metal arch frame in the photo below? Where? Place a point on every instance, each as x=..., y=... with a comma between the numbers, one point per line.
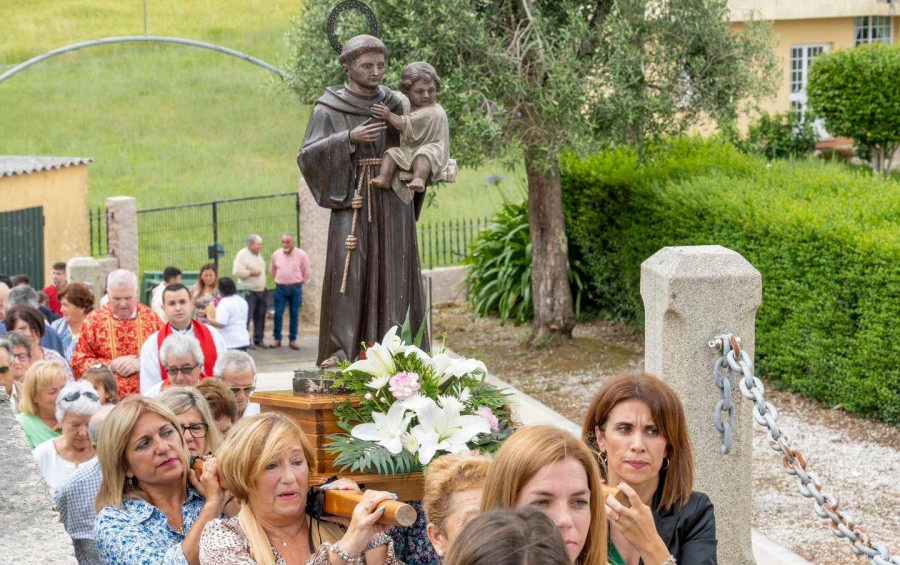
x=140, y=39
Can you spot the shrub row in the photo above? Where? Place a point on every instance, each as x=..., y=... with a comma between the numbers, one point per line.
x=825, y=238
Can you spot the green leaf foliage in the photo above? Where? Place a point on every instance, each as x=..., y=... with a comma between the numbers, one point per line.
x=499, y=262
x=855, y=90
x=826, y=239
x=781, y=136
x=559, y=75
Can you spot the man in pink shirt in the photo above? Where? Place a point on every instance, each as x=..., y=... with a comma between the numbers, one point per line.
x=290, y=269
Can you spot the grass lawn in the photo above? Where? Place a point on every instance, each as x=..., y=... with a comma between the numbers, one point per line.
x=174, y=125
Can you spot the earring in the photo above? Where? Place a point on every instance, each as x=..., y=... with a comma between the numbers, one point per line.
x=601, y=455
x=440, y=552
x=665, y=463
x=131, y=481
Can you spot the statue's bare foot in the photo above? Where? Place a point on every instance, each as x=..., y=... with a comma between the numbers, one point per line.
x=417, y=185
x=380, y=182
x=330, y=363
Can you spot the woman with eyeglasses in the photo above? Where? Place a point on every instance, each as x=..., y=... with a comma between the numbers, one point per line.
x=192, y=412
x=37, y=405
x=30, y=322
x=20, y=361
x=58, y=458
x=151, y=507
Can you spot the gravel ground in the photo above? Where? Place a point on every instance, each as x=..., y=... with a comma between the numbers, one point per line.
x=857, y=460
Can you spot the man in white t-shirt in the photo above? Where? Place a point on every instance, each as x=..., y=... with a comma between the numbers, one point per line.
x=179, y=307
x=238, y=371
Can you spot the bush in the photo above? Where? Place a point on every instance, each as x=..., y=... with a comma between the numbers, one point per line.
x=781, y=136
x=499, y=264
x=825, y=238
x=855, y=90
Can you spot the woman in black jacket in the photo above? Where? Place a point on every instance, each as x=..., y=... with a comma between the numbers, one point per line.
x=637, y=426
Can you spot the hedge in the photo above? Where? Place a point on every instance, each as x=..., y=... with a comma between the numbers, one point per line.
x=825, y=238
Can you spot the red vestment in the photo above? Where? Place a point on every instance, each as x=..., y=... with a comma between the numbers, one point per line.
x=104, y=338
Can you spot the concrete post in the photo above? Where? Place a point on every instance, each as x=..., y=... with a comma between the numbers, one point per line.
x=314, y=221
x=121, y=221
x=87, y=270
x=692, y=294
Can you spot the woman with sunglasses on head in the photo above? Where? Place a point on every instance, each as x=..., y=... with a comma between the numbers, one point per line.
x=58, y=458
x=637, y=425
x=151, y=506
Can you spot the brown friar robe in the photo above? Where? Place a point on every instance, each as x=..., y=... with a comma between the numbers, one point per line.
x=384, y=281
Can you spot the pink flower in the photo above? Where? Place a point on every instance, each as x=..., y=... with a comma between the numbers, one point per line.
x=489, y=417
x=404, y=385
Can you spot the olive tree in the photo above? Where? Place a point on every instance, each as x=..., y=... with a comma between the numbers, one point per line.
x=855, y=90
x=532, y=79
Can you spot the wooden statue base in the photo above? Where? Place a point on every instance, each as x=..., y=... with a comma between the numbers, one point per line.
x=315, y=414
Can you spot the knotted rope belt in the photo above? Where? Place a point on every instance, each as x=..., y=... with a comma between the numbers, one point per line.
x=365, y=175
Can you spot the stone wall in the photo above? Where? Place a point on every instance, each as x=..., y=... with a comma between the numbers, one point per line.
x=30, y=530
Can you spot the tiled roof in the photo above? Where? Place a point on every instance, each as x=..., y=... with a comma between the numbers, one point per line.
x=16, y=165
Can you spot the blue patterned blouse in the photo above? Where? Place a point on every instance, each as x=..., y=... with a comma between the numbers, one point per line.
x=139, y=533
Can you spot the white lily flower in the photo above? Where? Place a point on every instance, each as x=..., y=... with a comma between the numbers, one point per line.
x=442, y=428
x=379, y=383
x=413, y=350
x=387, y=429
x=446, y=367
x=392, y=341
x=378, y=362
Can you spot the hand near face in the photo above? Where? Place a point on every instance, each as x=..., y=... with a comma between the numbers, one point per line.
x=636, y=524
x=207, y=484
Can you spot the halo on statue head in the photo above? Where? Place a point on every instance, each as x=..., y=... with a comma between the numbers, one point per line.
x=343, y=7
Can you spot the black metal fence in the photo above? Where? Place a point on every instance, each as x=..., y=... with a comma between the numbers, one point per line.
x=180, y=235
x=446, y=243
x=98, y=232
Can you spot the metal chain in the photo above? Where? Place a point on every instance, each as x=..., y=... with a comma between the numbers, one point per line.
x=725, y=406
x=792, y=459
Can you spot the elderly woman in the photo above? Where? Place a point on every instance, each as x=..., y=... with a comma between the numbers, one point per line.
x=151, y=507
x=20, y=362
x=30, y=322
x=37, y=405
x=265, y=462
x=76, y=302
x=452, y=495
x=6, y=366
x=637, y=425
x=550, y=469
x=231, y=316
x=59, y=458
x=192, y=412
x=510, y=537
x=182, y=357
x=205, y=290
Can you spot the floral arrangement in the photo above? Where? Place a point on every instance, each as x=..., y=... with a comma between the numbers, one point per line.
x=415, y=406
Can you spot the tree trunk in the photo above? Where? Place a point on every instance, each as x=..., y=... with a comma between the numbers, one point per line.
x=553, y=311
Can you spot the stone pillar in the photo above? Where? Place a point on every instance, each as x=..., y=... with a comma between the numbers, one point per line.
x=314, y=221
x=87, y=270
x=692, y=294
x=121, y=221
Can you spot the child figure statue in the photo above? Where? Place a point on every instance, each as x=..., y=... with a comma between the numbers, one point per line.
x=424, y=135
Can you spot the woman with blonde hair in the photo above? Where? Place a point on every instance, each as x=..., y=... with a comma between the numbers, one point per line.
x=452, y=495
x=265, y=461
x=637, y=425
x=37, y=404
x=194, y=418
x=151, y=506
x=550, y=469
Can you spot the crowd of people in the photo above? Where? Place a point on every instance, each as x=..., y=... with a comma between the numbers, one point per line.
x=117, y=403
